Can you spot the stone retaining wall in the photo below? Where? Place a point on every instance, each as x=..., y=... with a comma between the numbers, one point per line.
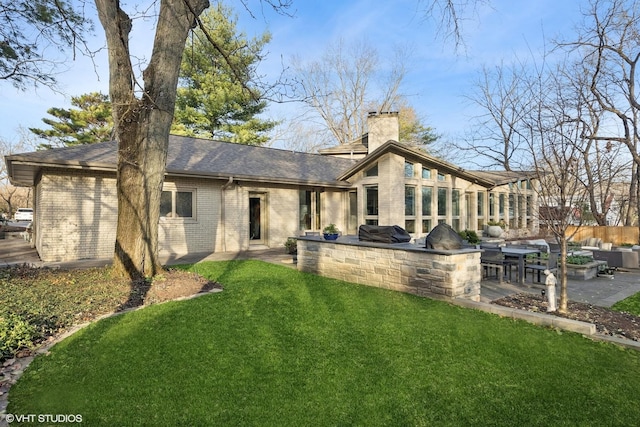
x=401, y=267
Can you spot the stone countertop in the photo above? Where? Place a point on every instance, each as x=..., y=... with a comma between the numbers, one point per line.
x=411, y=247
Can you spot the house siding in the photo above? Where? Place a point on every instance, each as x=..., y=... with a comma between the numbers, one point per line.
x=77, y=215
x=180, y=236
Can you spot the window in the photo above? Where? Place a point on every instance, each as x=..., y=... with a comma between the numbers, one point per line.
x=501, y=203
x=408, y=170
x=177, y=204
x=309, y=210
x=492, y=205
x=442, y=202
x=480, y=206
x=455, y=209
x=371, y=203
x=372, y=171
x=409, y=200
x=352, y=222
x=410, y=209
x=427, y=195
x=455, y=202
x=512, y=211
x=426, y=173
x=442, y=177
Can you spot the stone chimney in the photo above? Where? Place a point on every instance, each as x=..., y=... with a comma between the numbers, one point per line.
x=382, y=127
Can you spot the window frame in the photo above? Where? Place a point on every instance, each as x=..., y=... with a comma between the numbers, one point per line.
x=174, y=207
x=371, y=218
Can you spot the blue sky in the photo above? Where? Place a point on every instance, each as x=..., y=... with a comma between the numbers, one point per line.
x=436, y=83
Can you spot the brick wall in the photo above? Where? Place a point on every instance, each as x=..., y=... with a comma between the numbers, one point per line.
x=76, y=215
x=179, y=236
x=406, y=268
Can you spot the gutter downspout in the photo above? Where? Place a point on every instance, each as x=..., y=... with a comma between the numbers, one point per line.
x=223, y=216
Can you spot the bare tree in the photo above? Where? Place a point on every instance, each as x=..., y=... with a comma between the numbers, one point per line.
x=496, y=139
x=12, y=196
x=554, y=133
x=448, y=15
x=608, y=43
x=544, y=122
x=340, y=87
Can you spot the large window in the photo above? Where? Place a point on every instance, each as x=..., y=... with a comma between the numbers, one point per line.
x=512, y=211
x=309, y=210
x=410, y=209
x=427, y=195
x=442, y=202
x=409, y=200
x=427, y=221
x=455, y=209
x=177, y=204
x=371, y=203
x=426, y=173
x=492, y=206
x=480, y=211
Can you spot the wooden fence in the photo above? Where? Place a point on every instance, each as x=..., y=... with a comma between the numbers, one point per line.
x=615, y=235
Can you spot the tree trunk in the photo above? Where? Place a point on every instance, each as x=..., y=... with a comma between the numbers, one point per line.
x=562, y=272
x=142, y=126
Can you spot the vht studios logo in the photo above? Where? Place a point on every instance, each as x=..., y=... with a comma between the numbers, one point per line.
x=43, y=418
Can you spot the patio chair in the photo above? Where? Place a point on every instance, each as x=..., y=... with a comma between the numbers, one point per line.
x=493, y=259
x=536, y=265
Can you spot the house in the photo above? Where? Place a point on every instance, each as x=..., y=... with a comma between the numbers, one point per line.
x=223, y=197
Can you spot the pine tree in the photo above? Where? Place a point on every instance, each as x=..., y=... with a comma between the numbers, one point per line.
x=89, y=123
x=217, y=94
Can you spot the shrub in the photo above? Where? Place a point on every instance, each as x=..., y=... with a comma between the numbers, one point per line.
x=470, y=236
x=579, y=259
x=291, y=245
x=16, y=334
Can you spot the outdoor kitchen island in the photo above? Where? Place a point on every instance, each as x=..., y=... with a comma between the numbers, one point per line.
x=404, y=267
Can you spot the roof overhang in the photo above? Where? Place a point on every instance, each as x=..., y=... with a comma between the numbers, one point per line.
x=416, y=155
x=24, y=173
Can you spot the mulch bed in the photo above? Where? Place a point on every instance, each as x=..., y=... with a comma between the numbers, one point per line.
x=607, y=321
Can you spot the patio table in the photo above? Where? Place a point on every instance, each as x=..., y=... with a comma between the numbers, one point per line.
x=520, y=254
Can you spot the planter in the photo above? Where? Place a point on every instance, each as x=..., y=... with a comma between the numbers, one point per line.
x=494, y=231
x=585, y=271
x=328, y=236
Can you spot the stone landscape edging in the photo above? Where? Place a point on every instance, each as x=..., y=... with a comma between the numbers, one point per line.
x=20, y=364
x=549, y=320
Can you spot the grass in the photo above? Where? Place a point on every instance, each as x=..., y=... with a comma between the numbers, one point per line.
x=630, y=305
x=279, y=347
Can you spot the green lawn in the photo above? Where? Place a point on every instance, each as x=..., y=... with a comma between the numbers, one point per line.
x=279, y=348
x=630, y=305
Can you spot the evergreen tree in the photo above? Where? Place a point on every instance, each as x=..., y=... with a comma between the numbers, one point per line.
x=89, y=123
x=217, y=96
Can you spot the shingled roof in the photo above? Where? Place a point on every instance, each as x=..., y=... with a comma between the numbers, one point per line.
x=196, y=158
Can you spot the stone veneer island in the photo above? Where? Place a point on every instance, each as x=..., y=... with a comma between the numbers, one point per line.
x=404, y=267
